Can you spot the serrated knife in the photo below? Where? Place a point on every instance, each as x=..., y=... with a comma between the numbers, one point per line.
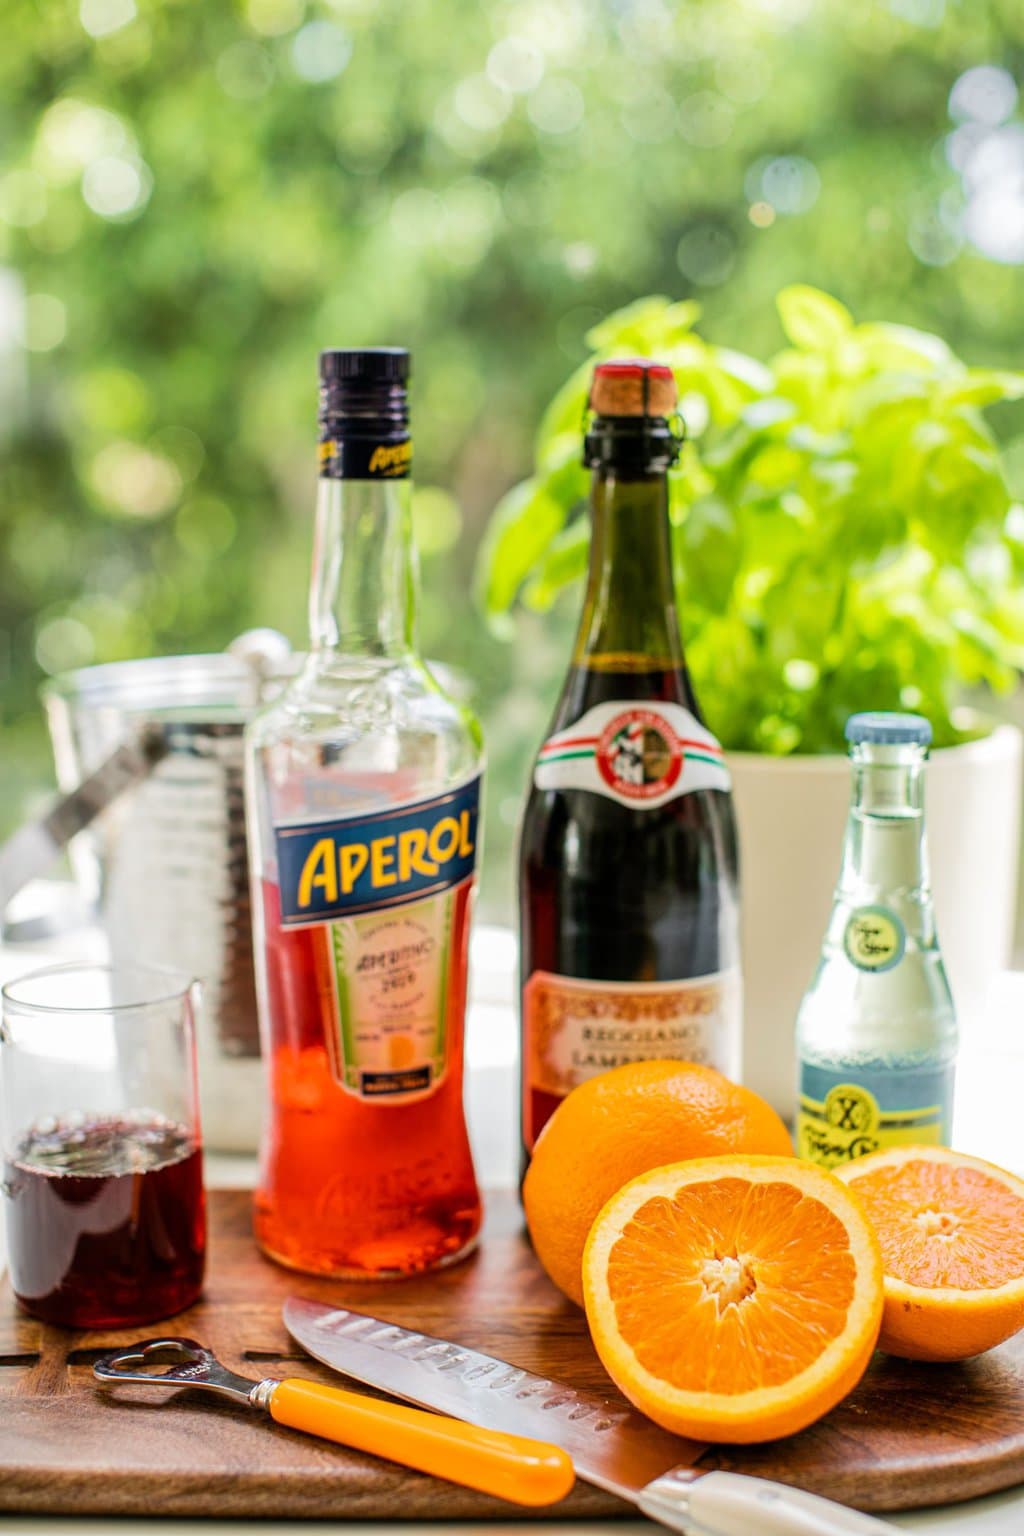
x=612, y=1447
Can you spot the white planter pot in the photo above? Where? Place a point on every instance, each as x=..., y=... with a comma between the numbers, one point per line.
x=792, y=814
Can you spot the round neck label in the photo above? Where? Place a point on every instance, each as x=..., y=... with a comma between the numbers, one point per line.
x=639, y=755
x=642, y=755
x=874, y=939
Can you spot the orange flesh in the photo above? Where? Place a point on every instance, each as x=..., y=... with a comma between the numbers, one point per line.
x=731, y=1286
x=944, y=1226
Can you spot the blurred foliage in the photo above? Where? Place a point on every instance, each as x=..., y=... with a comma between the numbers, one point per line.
x=195, y=198
x=843, y=534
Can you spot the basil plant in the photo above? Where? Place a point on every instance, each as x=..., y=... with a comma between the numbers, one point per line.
x=844, y=536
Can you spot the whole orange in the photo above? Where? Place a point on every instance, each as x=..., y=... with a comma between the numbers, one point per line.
x=621, y=1124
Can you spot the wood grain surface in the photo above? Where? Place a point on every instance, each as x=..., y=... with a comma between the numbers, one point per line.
x=908, y=1436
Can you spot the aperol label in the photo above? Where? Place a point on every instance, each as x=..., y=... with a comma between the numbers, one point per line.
x=574, y=1030
x=390, y=979
x=337, y=867
x=384, y=891
x=642, y=755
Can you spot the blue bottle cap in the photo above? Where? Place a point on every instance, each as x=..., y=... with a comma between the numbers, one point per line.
x=887, y=728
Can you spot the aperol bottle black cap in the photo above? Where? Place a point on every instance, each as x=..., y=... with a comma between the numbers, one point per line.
x=365, y=365
x=364, y=413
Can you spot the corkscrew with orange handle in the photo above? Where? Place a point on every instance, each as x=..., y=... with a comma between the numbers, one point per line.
x=508, y=1466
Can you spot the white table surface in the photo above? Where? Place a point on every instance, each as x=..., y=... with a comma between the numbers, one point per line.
x=988, y=1123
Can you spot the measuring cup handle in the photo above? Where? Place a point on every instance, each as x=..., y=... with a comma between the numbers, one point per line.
x=509, y=1466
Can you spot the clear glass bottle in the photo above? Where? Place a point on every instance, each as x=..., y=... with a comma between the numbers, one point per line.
x=363, y=784
x=876, y=1032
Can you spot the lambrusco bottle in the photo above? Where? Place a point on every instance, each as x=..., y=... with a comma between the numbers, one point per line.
x=629, y=932
x=363, y=787
x=876, y=1032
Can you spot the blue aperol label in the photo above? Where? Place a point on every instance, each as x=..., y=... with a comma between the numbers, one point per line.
x=334, y=869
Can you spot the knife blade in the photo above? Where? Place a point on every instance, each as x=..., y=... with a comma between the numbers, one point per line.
x=613, y=1447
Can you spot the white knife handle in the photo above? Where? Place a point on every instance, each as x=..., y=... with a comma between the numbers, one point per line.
x=728, y=1504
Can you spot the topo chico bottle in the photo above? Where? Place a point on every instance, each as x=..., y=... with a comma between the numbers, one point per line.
x=629, y=932
x=876, y=1032
x=363, y=789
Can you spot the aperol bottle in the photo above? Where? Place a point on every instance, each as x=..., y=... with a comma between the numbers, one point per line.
x=629, y=932
x=363, y=796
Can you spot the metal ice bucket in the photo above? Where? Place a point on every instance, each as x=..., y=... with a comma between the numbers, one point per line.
x=166, y=863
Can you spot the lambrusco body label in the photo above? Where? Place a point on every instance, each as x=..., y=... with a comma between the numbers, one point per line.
x=574, y=1029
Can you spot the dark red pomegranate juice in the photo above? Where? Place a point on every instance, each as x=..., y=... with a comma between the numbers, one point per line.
x=106, y=1221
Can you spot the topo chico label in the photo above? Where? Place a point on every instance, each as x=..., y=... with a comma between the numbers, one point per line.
x=841, y=1118
x=642, y=755
x=388, y=893
x=574, y=1030
x=874, y=939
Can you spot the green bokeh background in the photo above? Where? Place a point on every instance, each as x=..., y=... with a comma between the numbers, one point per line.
x=195, y=199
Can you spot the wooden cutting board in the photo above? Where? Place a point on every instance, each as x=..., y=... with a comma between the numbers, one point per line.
x=908, y=1436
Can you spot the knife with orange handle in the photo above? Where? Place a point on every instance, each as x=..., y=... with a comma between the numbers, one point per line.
x=611, y=1445
x=511, y=1467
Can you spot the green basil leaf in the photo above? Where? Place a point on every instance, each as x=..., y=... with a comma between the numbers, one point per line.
x=812, y=320
x=524, y=523
x=564, y=563
x=903, y=347
x=631, y=327
x=983, y=386
x=843, y=533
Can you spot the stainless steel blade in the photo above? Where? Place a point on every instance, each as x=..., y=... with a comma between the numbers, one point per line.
x=611, y=1446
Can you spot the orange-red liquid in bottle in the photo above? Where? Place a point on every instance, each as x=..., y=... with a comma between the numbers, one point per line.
x=363, y=793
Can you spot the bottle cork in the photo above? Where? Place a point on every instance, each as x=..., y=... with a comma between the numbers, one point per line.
x=633, y=386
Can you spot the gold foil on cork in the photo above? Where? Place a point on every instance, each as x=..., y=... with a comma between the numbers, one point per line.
x=623, y=393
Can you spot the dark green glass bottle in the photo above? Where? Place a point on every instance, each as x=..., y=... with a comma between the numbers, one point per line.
x=629, y=931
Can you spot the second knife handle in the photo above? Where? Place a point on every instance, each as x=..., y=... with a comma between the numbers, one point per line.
x=729, y=1504
x=509, y=1466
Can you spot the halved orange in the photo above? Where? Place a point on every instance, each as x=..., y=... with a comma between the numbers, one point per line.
x=952, y=1234
x=734, y=1298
